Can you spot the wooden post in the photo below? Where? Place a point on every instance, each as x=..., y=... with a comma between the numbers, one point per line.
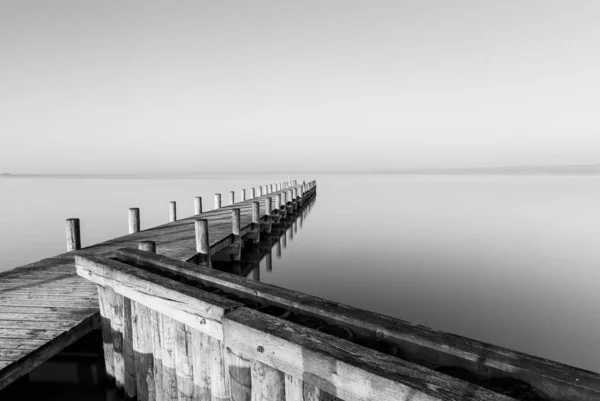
x=168, y=335
x=268, y=384
x=107, y=340
x=172, y=211
x=266, y=189
x=278, y=202
x=143, y=346
x=243, y=195
x=202, y=244
x=260, y=190
x=128, y=352
x=231, y=197
x=256, y=220
x=236, y=225
x=73, y=235
x=211, y=378
x=197, y=205
x=270, y=188
x=240, y=376
x=217, y=201
x=148, y=246
x=268, y=207
x=134, y=220
x=290, y=199
x=236, y=221
x=184, y=362
x=253, y=192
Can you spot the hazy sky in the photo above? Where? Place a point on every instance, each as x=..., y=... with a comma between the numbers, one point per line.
x=123, y=86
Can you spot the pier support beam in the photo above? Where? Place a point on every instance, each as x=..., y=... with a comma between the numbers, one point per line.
x=217, y=201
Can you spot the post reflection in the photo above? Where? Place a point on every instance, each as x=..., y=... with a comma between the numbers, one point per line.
x=253, y=253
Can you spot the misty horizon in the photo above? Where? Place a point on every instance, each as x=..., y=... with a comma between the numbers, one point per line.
x=335, y=85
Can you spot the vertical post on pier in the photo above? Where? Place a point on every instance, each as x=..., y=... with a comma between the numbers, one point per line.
x=172, y=211
x=168, y=335
x=268, y=209
x=143, y=347
x=104, y=304
x=290, y=199
x=202, y=244
x=198, y=205
x=278, y=203
x=236, y=224
x=253, y=192
x=243, y=195
x=184, y=361
x=134, y=220
x=256, y=221
x=73, y=235
x=278, y=248
x=231, y=197
x=260, y=190
x=148, y=246
x=217, y=201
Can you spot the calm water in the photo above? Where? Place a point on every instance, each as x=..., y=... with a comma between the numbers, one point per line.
x=513, y=261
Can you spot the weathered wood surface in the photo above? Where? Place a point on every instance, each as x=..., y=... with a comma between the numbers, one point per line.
x=49, y=292
x=337, y=366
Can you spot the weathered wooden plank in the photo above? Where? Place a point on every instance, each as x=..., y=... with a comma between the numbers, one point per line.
x=169, y=373
x=142, y=347
x=107, y=341
x=240, y=375
x=337, y=366
x=12, y=371
x=68, y=315
x=78, y=304
x=185, y=304
x=19, y=343
x=56, y=325
x=184, y=362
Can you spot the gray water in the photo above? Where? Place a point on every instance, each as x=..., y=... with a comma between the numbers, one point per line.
x=509, y=260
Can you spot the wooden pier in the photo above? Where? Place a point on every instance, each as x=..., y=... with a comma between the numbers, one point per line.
x=45, y=306
x=177, y=328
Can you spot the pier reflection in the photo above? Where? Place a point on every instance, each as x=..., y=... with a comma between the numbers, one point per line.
x=273, y=241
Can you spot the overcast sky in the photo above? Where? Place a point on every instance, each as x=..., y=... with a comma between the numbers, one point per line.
x=123, y=86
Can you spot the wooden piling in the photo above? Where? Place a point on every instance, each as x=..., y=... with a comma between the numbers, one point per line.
x=217, y=201
x=184, y=362
x=168, y=329
x=202, y=245
x=143, y=347
x=198, y=205
x=240, y=375
x=253, y=192
x=107, y=341
x=260, y=190
x=172, y=211
x=115, y=303
x=134, y=220
x=256, y=220
x=211, y=378
x=231, y=197
x=278, y=202
x=243, y=195
x=236, y=225
x=128, y=352
x=73, y=235
x=268, y=384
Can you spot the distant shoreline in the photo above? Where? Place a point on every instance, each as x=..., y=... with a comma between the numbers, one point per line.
x=223, y=175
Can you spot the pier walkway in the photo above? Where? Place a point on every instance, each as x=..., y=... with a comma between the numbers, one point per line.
x=45, y=306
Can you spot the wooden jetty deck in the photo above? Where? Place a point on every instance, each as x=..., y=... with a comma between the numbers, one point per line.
x=45, y=306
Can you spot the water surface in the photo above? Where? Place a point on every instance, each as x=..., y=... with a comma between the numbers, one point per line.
x=510, y=260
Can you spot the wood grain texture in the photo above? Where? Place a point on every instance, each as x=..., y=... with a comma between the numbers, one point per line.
x=268, y=384
x=337, y=366
x=186, y=304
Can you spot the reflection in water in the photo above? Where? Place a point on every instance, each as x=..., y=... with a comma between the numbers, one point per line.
x=247, y=264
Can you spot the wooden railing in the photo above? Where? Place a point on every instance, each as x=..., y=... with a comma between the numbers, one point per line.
x=180, y=331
